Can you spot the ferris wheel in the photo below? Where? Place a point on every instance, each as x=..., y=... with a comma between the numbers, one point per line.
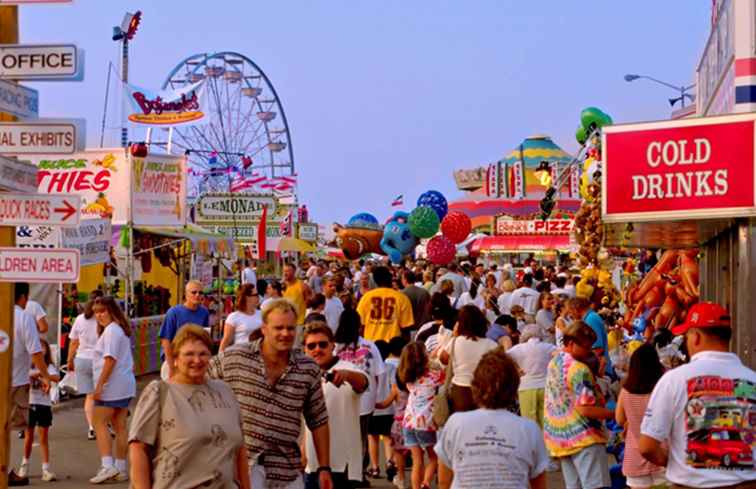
x=245, y=132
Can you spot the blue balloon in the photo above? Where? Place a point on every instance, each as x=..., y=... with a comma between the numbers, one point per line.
x=436, y=201
x=363, y=220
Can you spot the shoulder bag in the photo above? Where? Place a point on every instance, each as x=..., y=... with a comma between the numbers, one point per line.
x=441, y=405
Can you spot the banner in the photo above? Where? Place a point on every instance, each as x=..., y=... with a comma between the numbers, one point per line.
x=100, y=177
x=518, y=181
x=492, y=180
x=91, y=238
x=159, y=190
x=182, y=106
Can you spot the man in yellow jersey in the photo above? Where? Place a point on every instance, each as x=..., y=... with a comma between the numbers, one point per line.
x=385, y=312
x=296, y=291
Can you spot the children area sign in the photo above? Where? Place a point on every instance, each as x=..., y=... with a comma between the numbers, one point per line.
x=686, y=169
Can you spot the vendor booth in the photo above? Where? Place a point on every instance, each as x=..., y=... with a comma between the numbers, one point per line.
x=690, y=184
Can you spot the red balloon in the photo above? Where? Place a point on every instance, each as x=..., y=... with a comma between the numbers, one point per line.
x=440, y=250
x=456, y=226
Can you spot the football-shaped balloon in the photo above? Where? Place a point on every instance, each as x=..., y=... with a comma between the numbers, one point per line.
x=423, y=222
x=581, y=135
x=436, y=201
x=456, y=226
x=440, y=250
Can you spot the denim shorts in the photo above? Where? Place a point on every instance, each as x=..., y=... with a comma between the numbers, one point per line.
x=419, y=438
x=84, y=375
x=118, y=403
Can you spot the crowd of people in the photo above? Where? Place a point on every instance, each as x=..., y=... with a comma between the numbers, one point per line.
x=476, y=376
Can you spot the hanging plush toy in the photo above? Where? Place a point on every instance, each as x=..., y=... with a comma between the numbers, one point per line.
x=436, y=201
x=423, y=222
x=397, y=240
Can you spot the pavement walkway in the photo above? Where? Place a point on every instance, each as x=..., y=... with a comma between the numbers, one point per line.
x=74, y=459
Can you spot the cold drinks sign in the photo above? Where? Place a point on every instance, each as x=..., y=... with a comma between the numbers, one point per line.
x=693, y=168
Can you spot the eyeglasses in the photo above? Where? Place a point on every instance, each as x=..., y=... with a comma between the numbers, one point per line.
x=319, y=344
x=195, y=292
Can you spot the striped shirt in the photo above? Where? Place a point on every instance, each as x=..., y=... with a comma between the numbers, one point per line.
x=272, y=414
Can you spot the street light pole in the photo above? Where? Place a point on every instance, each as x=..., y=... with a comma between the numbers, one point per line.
x=124, y=79
x=678, y=88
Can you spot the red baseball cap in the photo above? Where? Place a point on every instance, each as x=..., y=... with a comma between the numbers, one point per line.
x=704, y=315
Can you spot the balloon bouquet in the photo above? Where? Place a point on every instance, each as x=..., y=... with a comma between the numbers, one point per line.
x=402, y=232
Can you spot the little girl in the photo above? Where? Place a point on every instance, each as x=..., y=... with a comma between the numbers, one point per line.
x=40, y=415
x=398, y=396
x=419, y=431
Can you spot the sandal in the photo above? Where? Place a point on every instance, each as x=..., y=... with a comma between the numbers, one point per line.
x=374, y=473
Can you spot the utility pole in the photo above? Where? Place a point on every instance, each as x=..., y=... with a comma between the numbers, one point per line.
x=8, y=35
x=124, y=79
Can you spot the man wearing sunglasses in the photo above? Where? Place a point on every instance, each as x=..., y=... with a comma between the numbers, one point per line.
x=191, y=311
x=343, y=383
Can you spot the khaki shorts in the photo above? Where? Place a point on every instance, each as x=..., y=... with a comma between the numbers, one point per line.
x=19, y=409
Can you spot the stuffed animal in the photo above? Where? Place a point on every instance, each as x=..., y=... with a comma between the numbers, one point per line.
x=358, y=241
x=397, y=240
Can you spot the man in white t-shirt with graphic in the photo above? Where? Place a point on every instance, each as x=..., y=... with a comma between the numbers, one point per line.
x=35, y=310
x=526, y=296
x=343, y=385
x=704, y=410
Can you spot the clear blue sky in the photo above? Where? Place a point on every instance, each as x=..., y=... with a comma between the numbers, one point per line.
x=389, y=97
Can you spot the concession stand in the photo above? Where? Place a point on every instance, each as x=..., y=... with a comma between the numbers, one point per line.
x=690, y=184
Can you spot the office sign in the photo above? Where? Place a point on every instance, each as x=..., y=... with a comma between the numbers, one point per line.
x=39, y=209
x=18, y=100
x=17, y=176
x=43, y=136
x=685, y=169
x=39, y=265
x=39, y=61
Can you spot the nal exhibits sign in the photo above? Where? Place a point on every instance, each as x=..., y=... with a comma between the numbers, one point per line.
x=693, y=168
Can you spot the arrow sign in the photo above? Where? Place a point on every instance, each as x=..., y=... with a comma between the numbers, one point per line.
x=39, y=209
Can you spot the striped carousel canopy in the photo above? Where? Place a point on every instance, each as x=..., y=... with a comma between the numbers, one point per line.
x=535, y=149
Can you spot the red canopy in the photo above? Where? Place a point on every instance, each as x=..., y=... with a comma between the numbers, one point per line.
x=534, y=242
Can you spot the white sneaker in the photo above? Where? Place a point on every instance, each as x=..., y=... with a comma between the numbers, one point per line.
x=105, y=474
x=48, y=476
x=23, y=470
x=399, y=483
x=121, y=477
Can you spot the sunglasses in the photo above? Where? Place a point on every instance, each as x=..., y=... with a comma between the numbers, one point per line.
x=195, y=292
x=319, y=344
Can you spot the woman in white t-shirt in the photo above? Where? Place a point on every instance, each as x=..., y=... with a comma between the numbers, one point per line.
x=464, y=351
x=244, y=320
x=113, y=367
x=532, y=356
x=83, y=338
x=472, y=297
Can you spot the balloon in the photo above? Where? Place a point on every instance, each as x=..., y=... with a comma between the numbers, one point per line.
x=434, y=200
x=581, y=135
x=456, y=226
x=397, y=240
x=440, y=250
x=363, y=220
x=423, y=222
x=593, y=118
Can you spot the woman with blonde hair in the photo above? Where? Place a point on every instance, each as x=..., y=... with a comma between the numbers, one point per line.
x=186, y=432
x=113, y=368
x=246, y=319
x=505, y=298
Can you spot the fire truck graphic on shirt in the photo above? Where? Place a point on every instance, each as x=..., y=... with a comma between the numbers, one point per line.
x=720, y=417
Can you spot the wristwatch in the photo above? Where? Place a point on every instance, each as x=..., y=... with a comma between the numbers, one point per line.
x=324, y=468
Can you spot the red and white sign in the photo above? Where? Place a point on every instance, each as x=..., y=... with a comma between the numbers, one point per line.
x=39, y=209
x=686, y=169
x=539, y=227
x=39, y=265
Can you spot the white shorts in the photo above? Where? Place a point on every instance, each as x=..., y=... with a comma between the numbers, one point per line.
x=650, y=480
x=84, y=375
x=257, y=478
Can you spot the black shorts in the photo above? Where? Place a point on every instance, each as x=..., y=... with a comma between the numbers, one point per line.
x=40, y=416
x=380, y=425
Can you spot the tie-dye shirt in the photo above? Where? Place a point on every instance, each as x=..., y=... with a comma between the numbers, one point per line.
x=418, y=415
x=569, y=383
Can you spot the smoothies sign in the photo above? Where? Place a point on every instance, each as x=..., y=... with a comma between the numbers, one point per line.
x=159, y=190
x=694, y=168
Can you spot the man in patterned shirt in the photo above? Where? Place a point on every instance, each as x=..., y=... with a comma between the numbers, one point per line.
x=276, y=387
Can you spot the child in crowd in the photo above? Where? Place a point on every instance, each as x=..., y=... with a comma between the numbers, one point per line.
x=419, y=431
x=40, y=415
x=644, y=372
x=380, y=422
x=398, y=397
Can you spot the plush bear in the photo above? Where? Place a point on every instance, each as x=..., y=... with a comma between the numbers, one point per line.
x=397, y=240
